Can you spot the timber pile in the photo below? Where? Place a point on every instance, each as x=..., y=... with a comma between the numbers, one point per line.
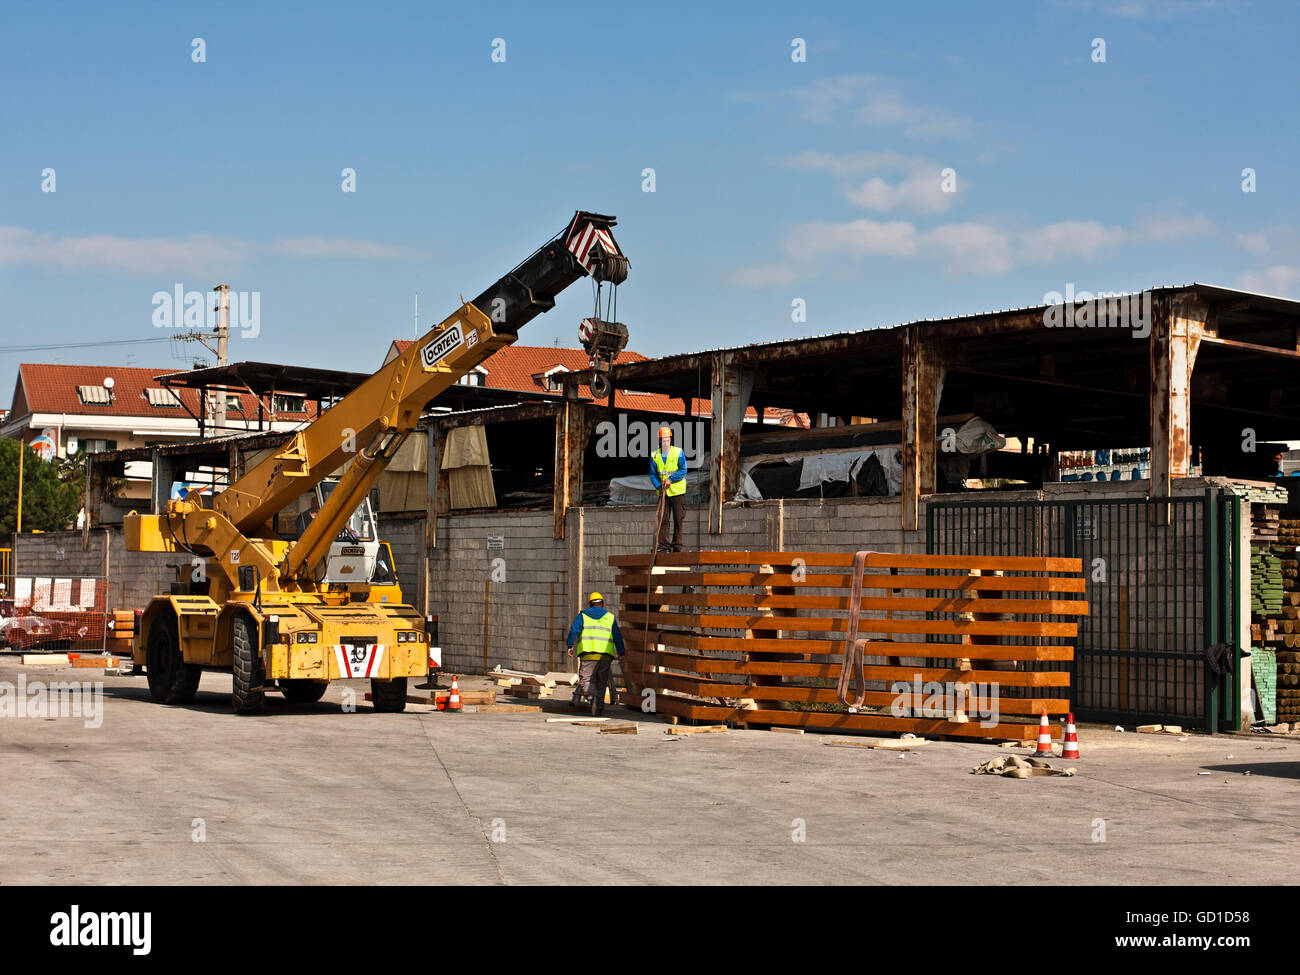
x=1275, y=619
x=760, y=638
x=121, y=631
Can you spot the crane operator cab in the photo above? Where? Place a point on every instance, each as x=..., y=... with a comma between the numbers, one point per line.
x=355, y=555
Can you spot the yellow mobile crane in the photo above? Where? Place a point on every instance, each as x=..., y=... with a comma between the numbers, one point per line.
x=262, y=606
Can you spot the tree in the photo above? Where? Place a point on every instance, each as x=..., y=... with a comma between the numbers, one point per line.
x=49, y=502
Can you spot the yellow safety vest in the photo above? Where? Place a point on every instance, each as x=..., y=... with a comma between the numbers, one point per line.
x=665, y=467
x=597, y=634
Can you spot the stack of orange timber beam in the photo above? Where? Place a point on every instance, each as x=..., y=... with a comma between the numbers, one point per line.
x=759, y=638
x=121, y=631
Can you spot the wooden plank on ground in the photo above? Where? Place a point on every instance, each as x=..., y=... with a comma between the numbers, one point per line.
x=619, y=729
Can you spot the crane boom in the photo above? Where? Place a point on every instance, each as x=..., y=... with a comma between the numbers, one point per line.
x=365, y=428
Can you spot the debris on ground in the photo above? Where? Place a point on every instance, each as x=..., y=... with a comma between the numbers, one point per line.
x=619, y=729
x=889, y=744
x=1015, y=767
x=577, y=720
x=1150, y=729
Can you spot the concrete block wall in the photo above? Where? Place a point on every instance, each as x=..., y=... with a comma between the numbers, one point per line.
x=405, y=536
x=133, y=577
x=525, y=615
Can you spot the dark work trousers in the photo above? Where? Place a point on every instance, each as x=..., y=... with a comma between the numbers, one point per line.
x=593, y=675
x=670, y=538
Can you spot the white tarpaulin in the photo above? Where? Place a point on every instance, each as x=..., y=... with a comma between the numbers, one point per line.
x=637, y=489
x=826, y=465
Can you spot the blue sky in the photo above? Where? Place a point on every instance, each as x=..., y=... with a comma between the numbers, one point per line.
x=774, y=179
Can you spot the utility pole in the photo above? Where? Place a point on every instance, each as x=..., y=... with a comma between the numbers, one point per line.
x=223, y=349
x=21, y=448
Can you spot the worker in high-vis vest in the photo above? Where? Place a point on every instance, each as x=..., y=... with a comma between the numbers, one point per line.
x=668, y=475
x=596, y=637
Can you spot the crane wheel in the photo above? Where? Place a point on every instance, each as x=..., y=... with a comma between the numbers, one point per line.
x=303, y=691
x=388, y=696
x=171, y=679
x=250, y=689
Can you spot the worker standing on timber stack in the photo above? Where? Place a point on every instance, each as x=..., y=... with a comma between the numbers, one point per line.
x=668, y=475
x=595, y=631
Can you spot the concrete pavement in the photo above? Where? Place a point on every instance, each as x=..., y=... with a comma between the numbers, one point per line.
x=313, y=794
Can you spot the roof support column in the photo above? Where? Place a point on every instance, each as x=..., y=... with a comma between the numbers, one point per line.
x=731, y=390
x=1176, y=329
x=922, y=382
x=570, y=446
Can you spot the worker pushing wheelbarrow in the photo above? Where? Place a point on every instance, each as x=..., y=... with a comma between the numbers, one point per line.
x=595, y=637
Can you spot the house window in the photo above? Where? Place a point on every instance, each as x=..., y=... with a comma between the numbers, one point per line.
x=552, y=379
x=94, y=395
x=86, y=445
x=476, y=378
x=281, y=403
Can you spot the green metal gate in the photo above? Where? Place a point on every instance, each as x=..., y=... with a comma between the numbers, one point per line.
x=1158, y=595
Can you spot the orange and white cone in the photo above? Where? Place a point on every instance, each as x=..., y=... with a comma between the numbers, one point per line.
x=1070, y=745
x=1044, y=737
x=453, y=697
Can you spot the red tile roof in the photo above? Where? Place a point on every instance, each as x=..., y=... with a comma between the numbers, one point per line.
x=44, y=387
x=522, y=368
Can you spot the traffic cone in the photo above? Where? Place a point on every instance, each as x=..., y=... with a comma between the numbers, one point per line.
x=453, y=697
x=1044, y=737
x=1070, y=746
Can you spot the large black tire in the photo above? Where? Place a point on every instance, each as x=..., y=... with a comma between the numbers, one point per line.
x=388, y=696
x=171, y=679
x=303, y=691
x=249, y=682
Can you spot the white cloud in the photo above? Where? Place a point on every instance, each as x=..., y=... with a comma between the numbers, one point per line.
x=194, y=252
x=1070, y=238
x=1282, y=280
x=1256, y=243
x=919, y=193
x=856, y=238
x=918, y=190
x=1174, y=228
x=972, y=248
x=868, y=100
x=984, y=247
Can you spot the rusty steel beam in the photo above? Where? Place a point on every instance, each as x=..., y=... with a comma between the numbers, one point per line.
x=922, y=380
x=1176, y=332
x=571, y=433
x=731, y=387
x=1251, y=347
x=499, y=414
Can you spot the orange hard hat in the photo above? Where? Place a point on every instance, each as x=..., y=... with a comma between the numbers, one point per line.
x=665, y=431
